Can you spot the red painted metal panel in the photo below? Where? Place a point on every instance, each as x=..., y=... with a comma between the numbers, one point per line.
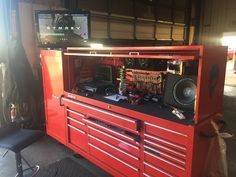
x=77, y=137
x=53, y=89
x=211, y=77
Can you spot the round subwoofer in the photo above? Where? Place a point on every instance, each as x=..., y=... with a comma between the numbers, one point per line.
x=184, y=91
x=180, y=91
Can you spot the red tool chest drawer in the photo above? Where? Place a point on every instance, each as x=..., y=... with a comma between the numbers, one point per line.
x=76, y=115
x=165, y=151
x=153, y=171
x=119, y=165
x=118, y=153
x=75, y=119
x=109, y=117
x=77, y=137
x=76, y=123
x=165, y=146
x=166, y=133
x=117, y=142
x=118, y=134
x=158, y=160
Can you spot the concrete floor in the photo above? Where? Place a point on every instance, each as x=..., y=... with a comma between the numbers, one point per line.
x=43, y=153
x=230, y=117
x=47, y=150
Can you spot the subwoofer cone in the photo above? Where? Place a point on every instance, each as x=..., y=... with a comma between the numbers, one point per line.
x=184, y=91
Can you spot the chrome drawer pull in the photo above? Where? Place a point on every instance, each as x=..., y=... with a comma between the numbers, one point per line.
x=145, y=174
x=81, y=123
x=163, y=147
x=113, y=157
x=166, y=161
x=166, y=129
x=135, y=158
x=157, y=169
x=164, y=154
x=161, y=140
x=81, y=115
x=113, y=137
x=76, y=129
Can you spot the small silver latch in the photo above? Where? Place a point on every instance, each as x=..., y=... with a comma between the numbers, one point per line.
x=133, y=53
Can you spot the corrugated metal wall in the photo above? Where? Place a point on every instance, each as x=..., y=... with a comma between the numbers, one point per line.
x=218, y=16
x=150, y=22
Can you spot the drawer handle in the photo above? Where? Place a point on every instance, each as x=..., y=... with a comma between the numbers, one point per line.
x=145, y=174
x=76, y=129
x=81, y=115
x=104, y=128
x=81, y=123
x=166, y=148
x=152, y=150
x=157, y=169
x=164, y=154
x=113, y=157
x=58, y=98
x=166, y=161
x=166, y=142
x=113, y=137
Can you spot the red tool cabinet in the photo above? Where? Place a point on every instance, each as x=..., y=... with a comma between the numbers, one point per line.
x=134, y=140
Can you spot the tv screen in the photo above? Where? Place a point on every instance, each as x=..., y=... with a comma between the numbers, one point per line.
x=62, y=28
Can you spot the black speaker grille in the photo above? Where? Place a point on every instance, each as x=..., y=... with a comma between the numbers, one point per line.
x=180, y=91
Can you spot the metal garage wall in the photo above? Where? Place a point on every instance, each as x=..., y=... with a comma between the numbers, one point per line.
x=156, y=22
x=218, y=17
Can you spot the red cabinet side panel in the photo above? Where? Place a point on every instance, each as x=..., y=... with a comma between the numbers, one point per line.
x=53, y=89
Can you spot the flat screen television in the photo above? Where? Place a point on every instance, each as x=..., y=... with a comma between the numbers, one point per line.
x=62, y=28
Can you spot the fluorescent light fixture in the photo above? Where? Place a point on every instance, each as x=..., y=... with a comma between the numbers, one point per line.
x=96, y=45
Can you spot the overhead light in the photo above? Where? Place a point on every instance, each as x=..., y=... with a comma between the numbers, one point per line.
x=96, y=45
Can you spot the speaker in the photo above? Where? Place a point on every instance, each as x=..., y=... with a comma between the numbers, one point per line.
x=146, y=64
x=180, y=91
x=130, y=62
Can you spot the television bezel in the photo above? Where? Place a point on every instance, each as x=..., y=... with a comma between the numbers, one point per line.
x=66, y=44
